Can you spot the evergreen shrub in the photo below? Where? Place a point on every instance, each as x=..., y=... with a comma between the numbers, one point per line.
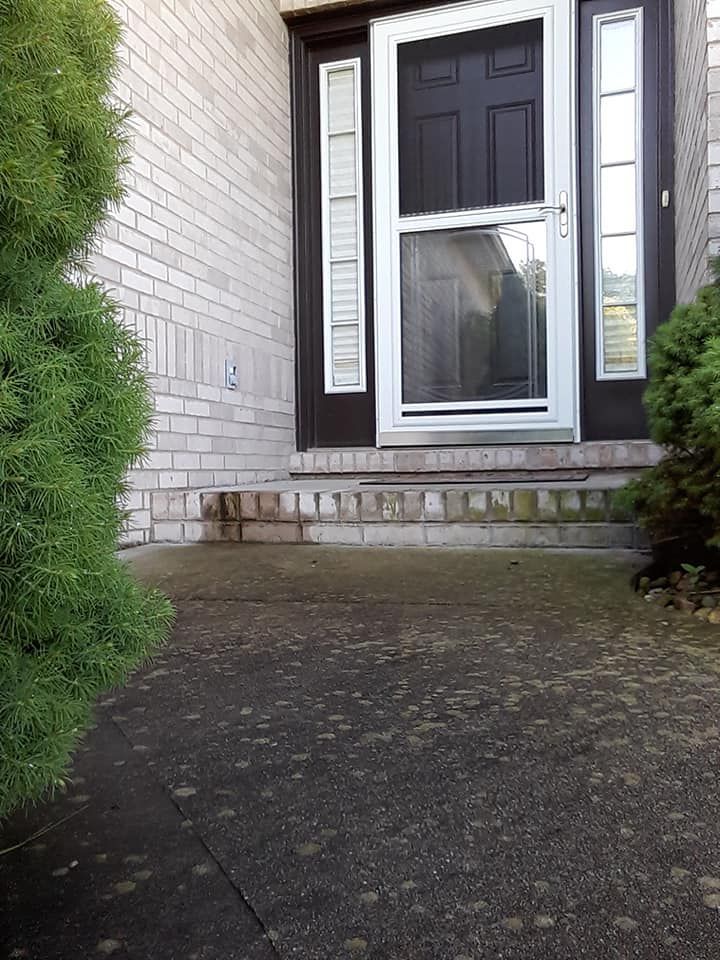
x=75, y=408
x=680, y=497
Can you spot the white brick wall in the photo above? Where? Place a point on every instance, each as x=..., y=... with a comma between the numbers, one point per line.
x=200, y=254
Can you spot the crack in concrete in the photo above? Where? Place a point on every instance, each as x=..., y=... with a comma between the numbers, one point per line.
x=242, y=896
x=327, y=601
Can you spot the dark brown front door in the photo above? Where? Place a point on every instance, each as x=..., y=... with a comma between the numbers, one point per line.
x=470, y=112
x=470, y=137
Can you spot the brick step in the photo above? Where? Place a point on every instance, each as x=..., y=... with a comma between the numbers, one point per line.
x=563, y=515
x=602, y=455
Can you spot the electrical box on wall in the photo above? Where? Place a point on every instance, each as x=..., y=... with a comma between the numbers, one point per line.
x=231, y=379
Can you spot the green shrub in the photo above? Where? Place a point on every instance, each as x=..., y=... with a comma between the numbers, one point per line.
x=74, y=403
x=681, y=496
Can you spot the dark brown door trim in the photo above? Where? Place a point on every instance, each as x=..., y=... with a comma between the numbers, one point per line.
x=337, y=419
x=613, y=409
x=610, y=409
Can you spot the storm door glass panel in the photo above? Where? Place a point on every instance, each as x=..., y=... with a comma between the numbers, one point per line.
x=473, y=314
x=467, y=96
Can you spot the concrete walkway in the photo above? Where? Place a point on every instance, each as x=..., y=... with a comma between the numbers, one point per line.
x=396, y=755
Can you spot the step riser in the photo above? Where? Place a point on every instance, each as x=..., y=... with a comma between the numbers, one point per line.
x=616, y=536
x=411, y=506
x=590, y=536
x=487, y=518
x=609, y=455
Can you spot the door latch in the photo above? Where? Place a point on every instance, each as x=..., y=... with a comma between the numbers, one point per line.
x=562, y=210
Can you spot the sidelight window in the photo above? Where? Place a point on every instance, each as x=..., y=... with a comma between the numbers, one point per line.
x=618, y=166
x=342, y=242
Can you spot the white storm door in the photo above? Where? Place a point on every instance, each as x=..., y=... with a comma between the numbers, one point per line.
x=475, y=234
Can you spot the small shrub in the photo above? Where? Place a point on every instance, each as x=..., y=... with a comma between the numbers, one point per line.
x=681, y=496
x=74, y=403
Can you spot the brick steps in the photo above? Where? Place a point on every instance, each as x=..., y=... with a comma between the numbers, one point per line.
x=562, y=515
x=592, y=455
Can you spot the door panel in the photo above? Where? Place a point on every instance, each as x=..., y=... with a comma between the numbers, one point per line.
x=513, y=154
x=470, y=119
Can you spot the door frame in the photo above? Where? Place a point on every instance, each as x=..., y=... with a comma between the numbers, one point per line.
x=560, y=421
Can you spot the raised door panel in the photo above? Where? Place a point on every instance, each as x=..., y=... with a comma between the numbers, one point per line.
x=470, y=119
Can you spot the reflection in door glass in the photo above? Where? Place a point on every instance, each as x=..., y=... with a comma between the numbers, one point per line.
x=473, y=314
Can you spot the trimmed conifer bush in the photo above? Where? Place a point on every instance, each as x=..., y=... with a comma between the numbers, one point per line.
x=74, y=402
x=681, y=496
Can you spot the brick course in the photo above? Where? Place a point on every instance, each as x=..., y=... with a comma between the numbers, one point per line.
x=612, y=454
x=533, y=517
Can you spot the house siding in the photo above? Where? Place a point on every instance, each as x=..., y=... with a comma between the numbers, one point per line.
x=200, y=253
x=713, y=63
x=692, y=197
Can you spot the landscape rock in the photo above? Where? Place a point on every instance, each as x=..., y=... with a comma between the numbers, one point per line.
x=662, y=598
x=684, y=603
